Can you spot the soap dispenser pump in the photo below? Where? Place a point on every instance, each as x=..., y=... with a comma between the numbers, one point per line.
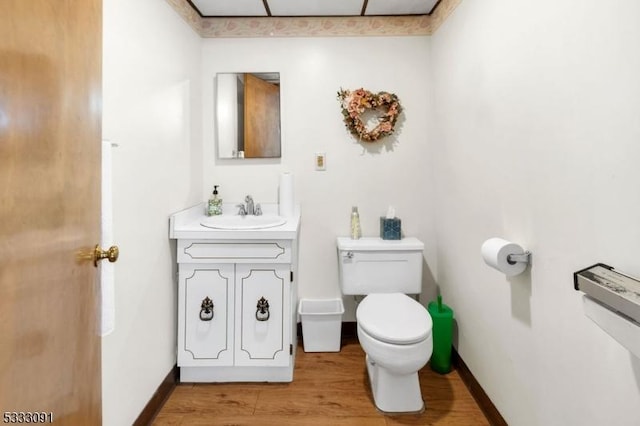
x=214, y=206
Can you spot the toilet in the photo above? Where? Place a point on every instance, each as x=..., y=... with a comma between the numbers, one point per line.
x=394, y=330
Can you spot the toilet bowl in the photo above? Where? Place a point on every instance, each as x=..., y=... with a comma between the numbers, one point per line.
x=395, y=333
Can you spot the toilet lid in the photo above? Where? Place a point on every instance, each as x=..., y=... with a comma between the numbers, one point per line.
x=394, y=318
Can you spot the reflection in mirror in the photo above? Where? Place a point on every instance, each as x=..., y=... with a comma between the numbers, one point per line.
x=248, y=115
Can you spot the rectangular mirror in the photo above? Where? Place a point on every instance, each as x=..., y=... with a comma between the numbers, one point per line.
x=248, y=115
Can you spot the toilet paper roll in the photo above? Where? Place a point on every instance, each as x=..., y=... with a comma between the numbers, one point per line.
x=285, y=195
x=495, y=251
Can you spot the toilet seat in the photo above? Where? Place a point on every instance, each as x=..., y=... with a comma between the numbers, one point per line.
x=394, y=318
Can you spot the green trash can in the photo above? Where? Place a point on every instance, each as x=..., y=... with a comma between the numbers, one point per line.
x=442, y=333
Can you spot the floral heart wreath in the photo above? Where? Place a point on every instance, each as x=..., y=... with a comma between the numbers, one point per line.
x=355, y=103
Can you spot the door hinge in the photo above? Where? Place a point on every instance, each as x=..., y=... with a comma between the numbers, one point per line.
x=291, y=276
x=290, y=349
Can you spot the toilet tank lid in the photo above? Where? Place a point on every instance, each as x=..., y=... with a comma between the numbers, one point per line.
x=375, y=243
x=394, y=318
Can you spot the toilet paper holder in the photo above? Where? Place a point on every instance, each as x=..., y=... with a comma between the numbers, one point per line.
x=505, y=256
x=519, y=258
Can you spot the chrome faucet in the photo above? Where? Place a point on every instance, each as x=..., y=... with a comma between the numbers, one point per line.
x=250, y=208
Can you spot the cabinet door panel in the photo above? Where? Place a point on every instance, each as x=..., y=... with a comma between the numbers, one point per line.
x=262, y=335
x=204, y=335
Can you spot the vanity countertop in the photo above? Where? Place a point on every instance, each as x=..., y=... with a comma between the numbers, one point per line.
x=186, y=224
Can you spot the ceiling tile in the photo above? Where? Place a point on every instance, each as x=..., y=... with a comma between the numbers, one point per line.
x=315, y=7
x=230, y=7
x=399, y=7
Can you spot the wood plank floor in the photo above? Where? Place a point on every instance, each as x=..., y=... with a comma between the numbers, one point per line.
x=328, y=389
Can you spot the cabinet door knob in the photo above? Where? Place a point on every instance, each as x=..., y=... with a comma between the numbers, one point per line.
x=262, y=311
x=206, y=309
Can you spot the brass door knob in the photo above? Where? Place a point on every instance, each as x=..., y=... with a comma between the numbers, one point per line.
x=111, y=254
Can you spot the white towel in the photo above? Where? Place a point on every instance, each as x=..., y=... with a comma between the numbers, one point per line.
x=107, y=284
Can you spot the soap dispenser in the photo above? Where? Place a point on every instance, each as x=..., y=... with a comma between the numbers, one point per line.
x=214, y=206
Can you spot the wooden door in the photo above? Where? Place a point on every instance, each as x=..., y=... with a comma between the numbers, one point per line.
x=261, y=118
x=50, y=131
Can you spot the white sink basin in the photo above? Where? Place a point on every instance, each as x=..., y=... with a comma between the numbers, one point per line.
x=243, y=222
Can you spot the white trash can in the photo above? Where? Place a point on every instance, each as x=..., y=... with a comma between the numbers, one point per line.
x=321, y=324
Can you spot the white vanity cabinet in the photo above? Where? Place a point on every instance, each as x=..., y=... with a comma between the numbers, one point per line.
x=236, y=302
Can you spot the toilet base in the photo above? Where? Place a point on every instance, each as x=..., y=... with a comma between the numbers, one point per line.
x=394, y=394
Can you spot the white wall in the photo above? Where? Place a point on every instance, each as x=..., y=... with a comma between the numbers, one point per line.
x=537, y=137
x=392, y=172
x=151, y=75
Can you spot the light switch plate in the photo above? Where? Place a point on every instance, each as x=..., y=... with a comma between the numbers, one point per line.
x=321, y=161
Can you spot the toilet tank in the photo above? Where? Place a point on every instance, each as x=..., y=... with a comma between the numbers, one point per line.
x=374, y=265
